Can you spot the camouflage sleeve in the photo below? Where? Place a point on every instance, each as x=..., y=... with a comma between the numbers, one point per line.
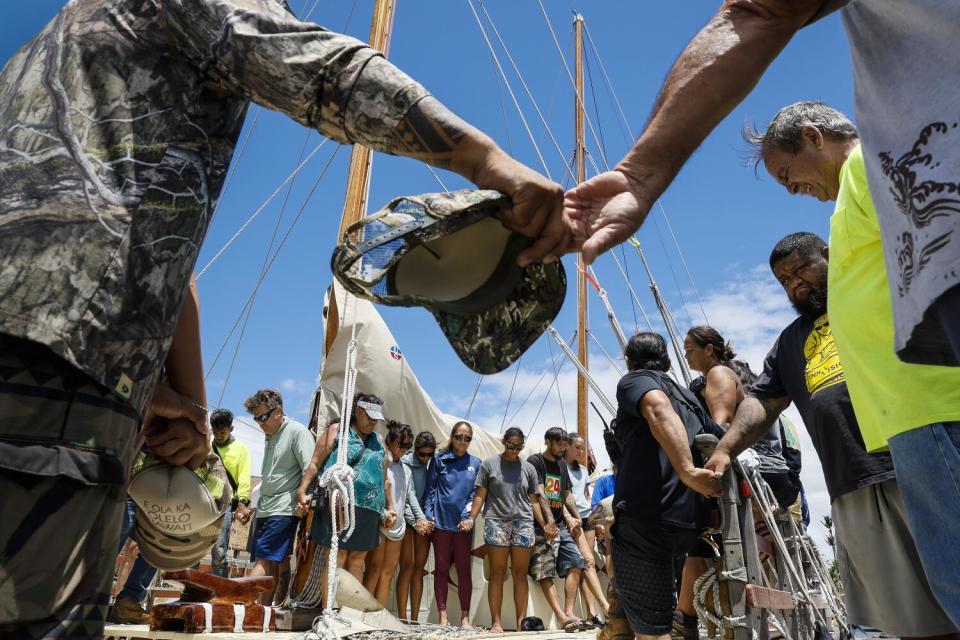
x=324, y=80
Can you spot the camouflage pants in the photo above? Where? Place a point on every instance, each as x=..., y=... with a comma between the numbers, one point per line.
x=65, y=444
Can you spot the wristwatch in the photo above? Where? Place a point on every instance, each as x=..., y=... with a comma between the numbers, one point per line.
x=244, y=501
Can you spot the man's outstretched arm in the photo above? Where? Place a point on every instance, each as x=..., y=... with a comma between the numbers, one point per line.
x=349, y=92
x=715, y=72
x=753, y=419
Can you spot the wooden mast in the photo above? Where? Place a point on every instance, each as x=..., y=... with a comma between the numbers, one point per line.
x=581, y=166
x=354, y=208
x=358, y=175
x=361, y=159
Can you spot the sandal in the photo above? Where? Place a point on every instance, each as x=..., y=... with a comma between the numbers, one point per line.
x=572, y=625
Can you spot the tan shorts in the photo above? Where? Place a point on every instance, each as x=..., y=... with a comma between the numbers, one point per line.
x=65, y=444
x=884, y=583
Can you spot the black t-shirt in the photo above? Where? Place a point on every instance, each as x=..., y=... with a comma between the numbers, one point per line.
x=647, y=487
x=555, y=478
x=804, y=366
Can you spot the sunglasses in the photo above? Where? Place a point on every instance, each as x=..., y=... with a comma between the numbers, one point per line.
x=263, y=417
x=462, y=438
x=512, y=447
x=423, y=455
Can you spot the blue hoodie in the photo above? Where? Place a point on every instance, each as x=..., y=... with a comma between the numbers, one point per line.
x=450, y=489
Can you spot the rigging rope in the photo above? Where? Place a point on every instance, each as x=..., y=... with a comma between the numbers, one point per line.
x=513, y=96
x=537, y=385
x=273, y=259
x=556, y=376
x=260, y=209
x=616, y=365
x=683, y=261
x=523, y=83
x=516, y=373
x=473, y=397
x=263, y=267
x=573, y=83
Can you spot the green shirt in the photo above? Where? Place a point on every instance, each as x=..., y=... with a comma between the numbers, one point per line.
x=889, y=396
x=286, y=455
x=236, y=460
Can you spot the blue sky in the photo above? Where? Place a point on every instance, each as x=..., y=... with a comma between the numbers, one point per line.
x=725, y=220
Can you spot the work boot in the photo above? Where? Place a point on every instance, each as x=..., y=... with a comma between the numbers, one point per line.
x=126, y=611
x=616, y=626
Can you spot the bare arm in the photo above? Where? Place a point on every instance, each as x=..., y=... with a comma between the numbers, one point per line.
x=321, y=451
x=720, y=393
x=172, y=439
x=537, y=510
x=715, y=72
x=671, y=435
x=478, y=500
x=753, y=419
x=349, y=92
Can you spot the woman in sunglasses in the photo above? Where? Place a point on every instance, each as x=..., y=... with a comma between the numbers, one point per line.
x=507, y=489
x=382, y=561
x=366, y=455
x=450, y=490
x=416, y=542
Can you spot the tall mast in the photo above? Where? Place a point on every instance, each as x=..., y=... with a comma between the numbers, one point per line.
x=361, y=159
x=358, y=176
x=581, y=165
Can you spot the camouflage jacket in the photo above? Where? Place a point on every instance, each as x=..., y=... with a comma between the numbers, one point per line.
x=118, y=124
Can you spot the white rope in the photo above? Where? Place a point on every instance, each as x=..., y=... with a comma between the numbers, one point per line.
x=618, y=366
x=337, y=480
x=701, y=587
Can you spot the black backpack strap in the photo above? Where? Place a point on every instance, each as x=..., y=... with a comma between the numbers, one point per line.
x=233, y=483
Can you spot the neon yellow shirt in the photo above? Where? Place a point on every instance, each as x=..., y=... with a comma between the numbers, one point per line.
x=236, y=460
x=889, y=396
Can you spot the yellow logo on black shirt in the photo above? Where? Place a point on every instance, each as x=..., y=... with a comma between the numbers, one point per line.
x=823, y=361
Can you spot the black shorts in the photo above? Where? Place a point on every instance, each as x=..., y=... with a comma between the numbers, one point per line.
x=643, y=570
x=366, y=532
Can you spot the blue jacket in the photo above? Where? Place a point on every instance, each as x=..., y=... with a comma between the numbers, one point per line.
x=602, y=488
x=450, y=489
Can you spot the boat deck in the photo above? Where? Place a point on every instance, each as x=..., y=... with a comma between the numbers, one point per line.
x=131, y=632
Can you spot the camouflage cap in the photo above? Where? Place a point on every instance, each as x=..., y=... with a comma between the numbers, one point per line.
x=449, y=253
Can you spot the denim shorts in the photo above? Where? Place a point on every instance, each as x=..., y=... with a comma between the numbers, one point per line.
x=515, y=532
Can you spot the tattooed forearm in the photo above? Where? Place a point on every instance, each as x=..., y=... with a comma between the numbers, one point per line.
x=431, y=132
x=752, y=420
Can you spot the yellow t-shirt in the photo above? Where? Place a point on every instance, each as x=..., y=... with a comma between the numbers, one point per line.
x=889, y=396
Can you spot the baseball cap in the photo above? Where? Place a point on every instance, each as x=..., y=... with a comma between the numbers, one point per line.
x=179, y=512
x=449, y=253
